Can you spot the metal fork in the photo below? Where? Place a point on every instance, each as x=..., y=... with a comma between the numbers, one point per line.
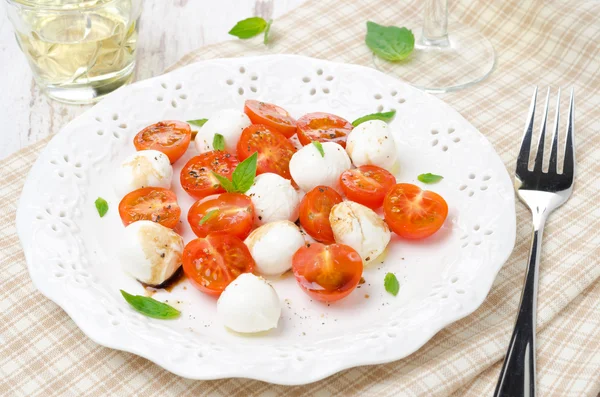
x=542, y=192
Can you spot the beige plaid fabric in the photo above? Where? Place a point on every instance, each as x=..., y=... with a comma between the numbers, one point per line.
x=537, y=42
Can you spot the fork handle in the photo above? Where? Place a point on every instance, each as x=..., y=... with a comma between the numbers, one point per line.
x=517, y=377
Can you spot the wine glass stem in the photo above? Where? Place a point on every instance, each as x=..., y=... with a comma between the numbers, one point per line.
x=264, y=9
x=435, y=24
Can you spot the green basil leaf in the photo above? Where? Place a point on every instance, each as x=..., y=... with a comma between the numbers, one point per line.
x=248, y=28
x=226, y=183
x=101, y=206
x=391, y=284
x=385, y=116
x=198, y=122
x=267, y=29
x=219, y=142
x=151, y=307
x=210, y=214
x=319, y=147
x=389, y=42
x=244, y=173
x=430, y=178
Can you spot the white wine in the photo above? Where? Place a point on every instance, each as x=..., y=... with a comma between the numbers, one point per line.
x=80, y=55
x=67, y=49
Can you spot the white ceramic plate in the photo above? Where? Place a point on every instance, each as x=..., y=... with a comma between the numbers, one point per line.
x=70, y=250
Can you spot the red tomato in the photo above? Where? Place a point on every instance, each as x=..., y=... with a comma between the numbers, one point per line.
x=327, y=272
x=323, y=127
x=270, y=115
x=230, y=213
x=413, y=213
x=213, y=262
x=274, y=150
x=314, y=213
x=170, y=137
x=154, y=204
x=197, y=178
x=367, y=185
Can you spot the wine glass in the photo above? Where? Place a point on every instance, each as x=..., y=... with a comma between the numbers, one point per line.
x=78, y=50
x=442, y=62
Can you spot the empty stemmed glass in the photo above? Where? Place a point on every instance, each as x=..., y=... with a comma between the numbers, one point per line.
x=443, y=61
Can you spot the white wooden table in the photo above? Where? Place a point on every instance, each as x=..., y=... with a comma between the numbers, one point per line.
x=168, y=30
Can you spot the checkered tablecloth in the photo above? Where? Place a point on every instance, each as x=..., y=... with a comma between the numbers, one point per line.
x=545, y=43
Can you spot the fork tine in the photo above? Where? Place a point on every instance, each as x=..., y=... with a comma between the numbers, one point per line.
x=552, y=166
x=523, y=157
x=539, y=156
x=569, y=164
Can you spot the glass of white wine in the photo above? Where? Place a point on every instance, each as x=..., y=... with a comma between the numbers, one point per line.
x=78, y=50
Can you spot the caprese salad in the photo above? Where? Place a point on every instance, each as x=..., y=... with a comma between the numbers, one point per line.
x=272, y=194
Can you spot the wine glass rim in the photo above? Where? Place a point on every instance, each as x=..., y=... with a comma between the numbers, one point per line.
x=73, y=5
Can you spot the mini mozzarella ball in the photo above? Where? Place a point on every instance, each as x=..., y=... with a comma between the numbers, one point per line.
x=249, y=304
x=274, y=199
x=372, y=143
x=310, y=169
x=143, y=169
x=273, y=245
x=361, y=228
x=150, y=252
x=228, y=122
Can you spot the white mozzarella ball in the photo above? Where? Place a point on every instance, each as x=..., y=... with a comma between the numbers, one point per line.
x=142, y=169
x=361, y=228
x=150, y=252
x=249, y=304
x=228, y=122
x=274, y=199
x=310, y=169
x=273, y=245
x=371, y=143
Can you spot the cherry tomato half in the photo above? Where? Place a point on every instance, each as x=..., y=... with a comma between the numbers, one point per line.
x=197, y=177
x=367, y=185
x=413, y=213
x=274, y=150
x=327, y=272
x=213, y=262
x=314, y=213
x=154, y=204
x=270, y=115
x=170, y=137
x=230, y=213
x=323, y=127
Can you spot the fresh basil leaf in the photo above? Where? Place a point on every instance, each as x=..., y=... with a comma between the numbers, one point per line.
x=243, y=176
x=389, y=42
x=391, y=284
x=267, y=29
x=198, y=122
x=319, y=147
x=244, y=173
x=210, y=214
x=219, y=142
x=385, y=116
x=248, y=28
x=430, y=178
x=101, y=206
x=151, y=307
x=226, y=183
